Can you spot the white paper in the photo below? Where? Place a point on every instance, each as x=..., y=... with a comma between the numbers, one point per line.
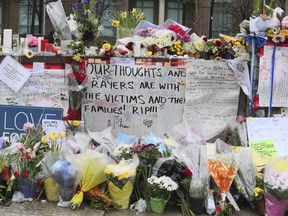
x=45, y=89
x=122, y=61
x=13, y=74
x=241, y=72
x=134, y=100
x=38, y=67
x=211, y=95
x=275, y=129
x=280, y=87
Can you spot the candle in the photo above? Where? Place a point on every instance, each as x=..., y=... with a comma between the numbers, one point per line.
x=39, y=43
x=43, y=43
x=7, y=38
x=48, y=47
x=57, y=50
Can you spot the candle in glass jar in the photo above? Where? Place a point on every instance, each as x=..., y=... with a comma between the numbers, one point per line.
x=43, y=43
x=7, y=38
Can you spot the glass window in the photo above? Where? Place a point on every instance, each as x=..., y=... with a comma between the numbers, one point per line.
x=1, y=14
x=222, y=23
x=25, y=18
x=147, y=6
x=174, y=11
x=109, y=30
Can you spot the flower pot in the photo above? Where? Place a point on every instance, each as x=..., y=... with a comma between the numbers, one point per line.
x=260, y=206
x=124, y=32
x=157, y=205
x=197, y=205
x=27, y=188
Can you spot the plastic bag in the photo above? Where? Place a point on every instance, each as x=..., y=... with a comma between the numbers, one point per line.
x=235, y=133
x=91, y=165
x=146, y=29
x=139, y=206
x=210, y=203
x=51, y=189
x=170, y=22
x=67, y=176
x=57, y=16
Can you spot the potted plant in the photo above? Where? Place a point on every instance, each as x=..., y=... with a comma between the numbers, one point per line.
x=259, y=193
x=160, y=189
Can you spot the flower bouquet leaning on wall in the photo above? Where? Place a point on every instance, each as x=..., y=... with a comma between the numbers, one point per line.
x=76, y=82
x=276, y=185
x=120, y=179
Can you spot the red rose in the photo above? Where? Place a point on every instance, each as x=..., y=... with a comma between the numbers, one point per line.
x=38, y=182
x=218, y=43
x=16, y=174
x=28, y=157
x=25, y=174
x=5, y=174
x=218, y=209
x=187, y=172
x=21, y=159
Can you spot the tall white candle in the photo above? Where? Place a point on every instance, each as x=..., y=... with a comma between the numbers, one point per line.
x=7, y=38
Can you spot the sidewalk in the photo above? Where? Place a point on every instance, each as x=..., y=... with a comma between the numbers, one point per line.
x=51, y=209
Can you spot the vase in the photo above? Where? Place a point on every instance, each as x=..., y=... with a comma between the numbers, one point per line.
x=260, y=206
x=27, y=188
x=197, y=205
x=157, y=205
x=124, y=32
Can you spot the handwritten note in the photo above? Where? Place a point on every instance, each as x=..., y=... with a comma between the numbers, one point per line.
x=265, y=147
x=134, y=99
x=274, y=129
x=280, y=87
x=13, y=74
x=42, y=89
x=211, y=95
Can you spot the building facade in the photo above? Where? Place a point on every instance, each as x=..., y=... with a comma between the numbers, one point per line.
x=28, y=16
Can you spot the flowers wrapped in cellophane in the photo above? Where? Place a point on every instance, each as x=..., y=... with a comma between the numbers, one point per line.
x=223, y=168
x=67, y=176
x=276, y=185
x=91, y=165
x=120, y=179
x=77, y=83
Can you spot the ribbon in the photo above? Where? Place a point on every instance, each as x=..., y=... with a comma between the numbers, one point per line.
x=256, y=41
x=272, y=79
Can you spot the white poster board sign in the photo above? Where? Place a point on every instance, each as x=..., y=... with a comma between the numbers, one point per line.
x=280, y=87
x=274, y=130
x=211, y=96
x=45, y=89
x=134, y=99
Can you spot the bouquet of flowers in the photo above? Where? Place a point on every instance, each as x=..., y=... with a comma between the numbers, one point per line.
x=126, y=22
x=160, y=189
x=66, y=175
x=77, y=82
x=91, y=165
x=120, y=179
x=88, y=15
x=276, y=185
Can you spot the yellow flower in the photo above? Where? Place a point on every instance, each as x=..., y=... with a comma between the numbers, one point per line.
x=122, y=163
x=258, y=191
x=75, y=123
x=57, y=135
x=199, y=45
x=124, y=14
x=238, y=43
x=115, y=23
x=149, y=53
x=52, y=137
x=106, y=46
x=134, y=11
x=43, y=139
x=62, y=134
x=142, y=15
x=77, y=57
x=107, y=171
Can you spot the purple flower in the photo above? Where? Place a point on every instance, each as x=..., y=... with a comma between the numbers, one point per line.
x=2, y=143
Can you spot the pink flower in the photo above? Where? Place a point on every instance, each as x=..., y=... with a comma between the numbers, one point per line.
x=32, y=41
x=28, y=126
